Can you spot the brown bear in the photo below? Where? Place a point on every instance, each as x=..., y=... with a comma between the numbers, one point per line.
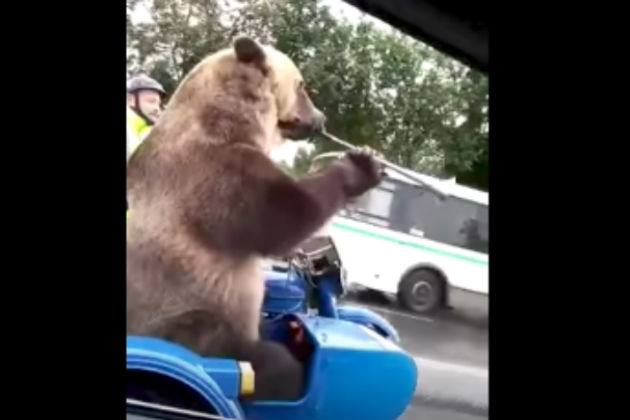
x=206, y=204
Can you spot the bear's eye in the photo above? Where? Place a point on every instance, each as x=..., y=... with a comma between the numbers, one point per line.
x=307, y=89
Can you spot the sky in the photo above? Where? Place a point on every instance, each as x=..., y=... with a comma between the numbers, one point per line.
x=338, y=7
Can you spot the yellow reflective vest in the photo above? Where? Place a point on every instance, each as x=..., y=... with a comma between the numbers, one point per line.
x=137, y=130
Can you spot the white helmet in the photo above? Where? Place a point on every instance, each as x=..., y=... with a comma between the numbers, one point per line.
x=143, y=82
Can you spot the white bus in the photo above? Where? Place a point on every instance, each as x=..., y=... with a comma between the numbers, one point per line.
x=401, y=239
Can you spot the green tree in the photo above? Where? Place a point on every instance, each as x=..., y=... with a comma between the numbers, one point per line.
x=420, y=108
x=180, y=34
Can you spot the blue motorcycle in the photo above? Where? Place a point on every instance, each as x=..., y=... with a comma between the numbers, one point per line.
x=310, y=282
x=354, y=367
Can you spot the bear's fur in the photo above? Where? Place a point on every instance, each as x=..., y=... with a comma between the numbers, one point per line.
x=206, y=203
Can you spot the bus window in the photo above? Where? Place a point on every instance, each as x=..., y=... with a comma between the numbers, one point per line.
x=408, y=202
x=455, y=221
x=372, y=207
x=477, y=238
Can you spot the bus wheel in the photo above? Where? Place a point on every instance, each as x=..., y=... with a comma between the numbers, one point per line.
x=421, y=291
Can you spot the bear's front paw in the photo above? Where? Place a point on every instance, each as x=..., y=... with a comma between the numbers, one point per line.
x=362, y=171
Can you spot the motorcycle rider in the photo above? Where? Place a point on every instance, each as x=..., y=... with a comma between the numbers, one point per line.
x=144, y=106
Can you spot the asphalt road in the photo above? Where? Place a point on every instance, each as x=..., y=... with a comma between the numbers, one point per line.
x=451, y=351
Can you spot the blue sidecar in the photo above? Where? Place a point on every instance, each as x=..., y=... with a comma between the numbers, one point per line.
x=354, y=367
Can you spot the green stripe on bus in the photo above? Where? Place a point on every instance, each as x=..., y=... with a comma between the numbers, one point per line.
x=410, y=244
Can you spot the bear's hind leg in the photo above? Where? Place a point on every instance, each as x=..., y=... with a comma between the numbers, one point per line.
x=278, y=375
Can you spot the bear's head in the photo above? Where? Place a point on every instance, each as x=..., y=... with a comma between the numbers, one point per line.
x=297, y=116
x=254, y=78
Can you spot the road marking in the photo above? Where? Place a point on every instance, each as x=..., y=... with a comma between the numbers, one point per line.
x=403, y=314
x=452, y=367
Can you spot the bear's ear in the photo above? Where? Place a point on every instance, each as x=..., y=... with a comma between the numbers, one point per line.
x=249, y=51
